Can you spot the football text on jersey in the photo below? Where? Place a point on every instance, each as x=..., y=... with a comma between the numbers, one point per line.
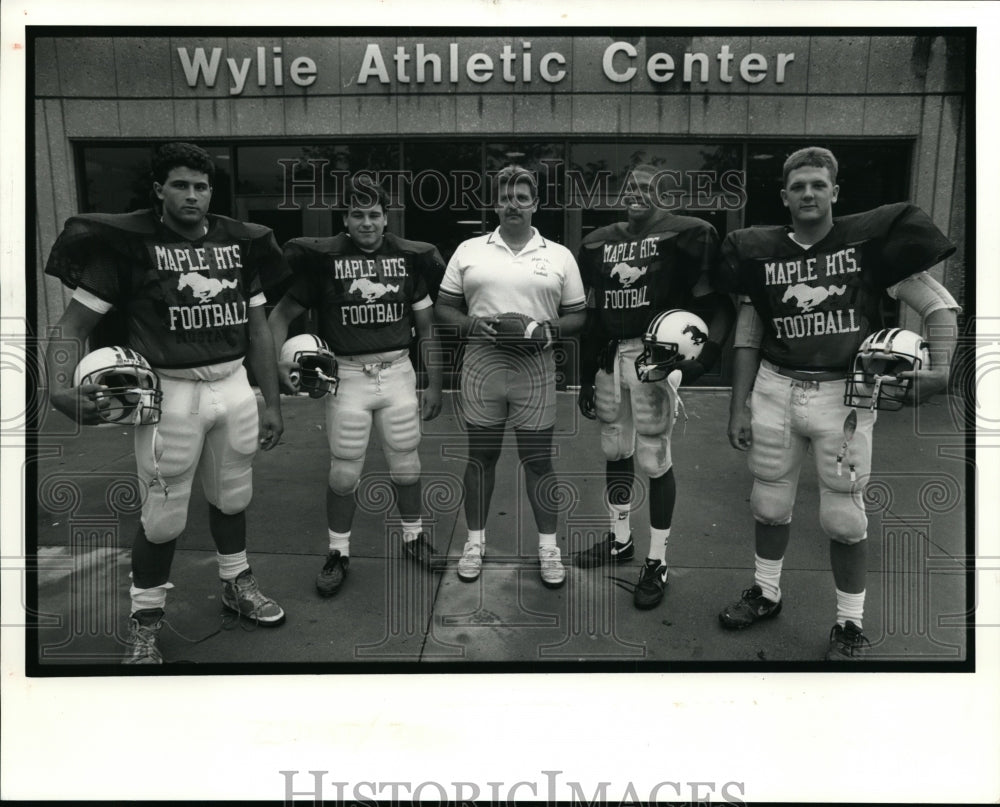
x=368, y=278
x=206, y=278
x=799, y=278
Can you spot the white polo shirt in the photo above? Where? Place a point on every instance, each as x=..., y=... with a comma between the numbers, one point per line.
x=541, y=281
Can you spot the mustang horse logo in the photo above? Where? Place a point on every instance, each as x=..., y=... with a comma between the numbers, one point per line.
x=369, y=290
x=204, y=288
x=698, y=336
x=808, y=297
x=627, y=273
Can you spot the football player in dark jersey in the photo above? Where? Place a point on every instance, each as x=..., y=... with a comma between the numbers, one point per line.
x=370, y=290
x=809, y=296
x=634, y=270
x=190, y=286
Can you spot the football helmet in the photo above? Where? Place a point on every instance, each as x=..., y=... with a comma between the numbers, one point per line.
x=133, y=391
x=672, y=337
x=317, y=371
x=872, y=380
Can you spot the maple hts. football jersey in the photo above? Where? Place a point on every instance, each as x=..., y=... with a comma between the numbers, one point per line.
x=185, y=302
x=364, y=300
x=818, y=304
x=632, y=277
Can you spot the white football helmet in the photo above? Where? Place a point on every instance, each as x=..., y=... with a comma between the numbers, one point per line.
x=872, y=381
x=672, y=337
x=317, y=371
x=133, y=392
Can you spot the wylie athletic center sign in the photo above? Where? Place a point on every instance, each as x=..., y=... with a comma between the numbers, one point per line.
x=443, y=63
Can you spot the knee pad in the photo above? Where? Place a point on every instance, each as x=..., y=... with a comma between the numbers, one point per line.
x=344, y=475
x=652, y=454
x=234, y=496
x=842, y=516
x=400, y=427
x=165, y=516
x=617, y=442
x=404, y=466
x=772, y=502
x=607, y=408
x=652, y=409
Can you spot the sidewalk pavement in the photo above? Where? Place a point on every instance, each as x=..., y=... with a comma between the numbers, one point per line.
x=392, y=616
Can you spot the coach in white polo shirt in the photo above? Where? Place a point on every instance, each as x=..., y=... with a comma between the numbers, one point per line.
x=513, y=269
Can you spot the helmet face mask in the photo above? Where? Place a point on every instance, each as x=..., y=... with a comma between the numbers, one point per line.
x=133, y=393
x=317, y=366
x=672, y=337
x=873, y=382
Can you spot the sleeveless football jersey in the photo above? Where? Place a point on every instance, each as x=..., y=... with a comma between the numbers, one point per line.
x=185, y=302
x=818, y=304
x=635, y=276
x=363, y=299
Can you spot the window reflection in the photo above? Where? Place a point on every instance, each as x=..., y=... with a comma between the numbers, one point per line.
x=116, y=178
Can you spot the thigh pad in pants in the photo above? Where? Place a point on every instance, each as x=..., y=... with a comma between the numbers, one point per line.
x=166, y=458
x=775, y=456
x=349, y=429
x=399, y=427
x=617, y=429
x=231, y=444
x=841, y=504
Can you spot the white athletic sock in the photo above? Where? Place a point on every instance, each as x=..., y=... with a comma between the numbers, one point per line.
x=658, y=544
x=412, y=530
x=850, y=606
x=232, y=566
x=477, y=537
x=546, y=539
x=340, y=541
x=143, y=598
x=767, y=575
x=621, y=523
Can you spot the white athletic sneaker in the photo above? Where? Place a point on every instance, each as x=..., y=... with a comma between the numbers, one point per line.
x=471, y=562
x=553, y=572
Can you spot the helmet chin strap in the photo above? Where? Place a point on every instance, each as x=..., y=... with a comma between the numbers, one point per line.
x=850, y=426
x=879, y=378
x=673, y=383
x=140, y=410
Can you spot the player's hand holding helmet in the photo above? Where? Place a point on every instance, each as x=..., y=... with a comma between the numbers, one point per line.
x=128, y=391
x=306, y=363
x=675, y=340
x=873, y=381
x=521, y=332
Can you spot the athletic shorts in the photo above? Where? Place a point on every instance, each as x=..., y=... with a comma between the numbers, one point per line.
x=500, y=387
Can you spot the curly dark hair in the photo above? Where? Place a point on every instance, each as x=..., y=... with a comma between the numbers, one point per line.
x=363, y=192
x=181, y=155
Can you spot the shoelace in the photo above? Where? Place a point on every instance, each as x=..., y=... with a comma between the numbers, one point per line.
x=852, y=638
x=250, y=591
x=144, y=640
